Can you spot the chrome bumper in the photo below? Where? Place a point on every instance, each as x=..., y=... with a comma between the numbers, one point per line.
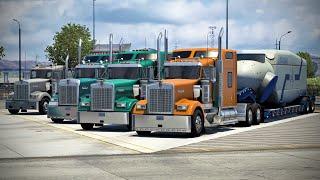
x=22, y=104
x=62, y=112
x=103, y=117
x=161, y=123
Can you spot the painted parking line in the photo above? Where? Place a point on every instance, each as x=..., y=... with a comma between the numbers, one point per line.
x=153, y=143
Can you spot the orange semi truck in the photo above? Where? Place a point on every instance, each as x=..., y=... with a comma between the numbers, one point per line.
x=191, y=94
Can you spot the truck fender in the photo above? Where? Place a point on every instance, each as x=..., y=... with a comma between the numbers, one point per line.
x=192, y=106
x=41, y=95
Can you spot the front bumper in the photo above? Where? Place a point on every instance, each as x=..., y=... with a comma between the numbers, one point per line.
x=62, y=112
x=103, y=117
x=22, y=104
x=161, y=123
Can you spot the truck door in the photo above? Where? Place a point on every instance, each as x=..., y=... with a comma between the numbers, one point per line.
x=229, y=79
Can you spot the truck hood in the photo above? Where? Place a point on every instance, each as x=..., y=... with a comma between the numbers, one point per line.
x=85, y=83
x=183, y=88
x=121, y=82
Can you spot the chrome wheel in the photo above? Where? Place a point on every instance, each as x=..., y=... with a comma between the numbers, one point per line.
x=250, y=117
x=45, y=106
x=258, y=113
x=198, y=124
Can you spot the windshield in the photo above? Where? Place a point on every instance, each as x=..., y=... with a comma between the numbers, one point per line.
x=182, y=72
x=251, y=57
x=181, y=54
x=125, y=57
x=46, y=74
x=89, y=72
x=129, y=73
x=92, y=59
x=152, y=56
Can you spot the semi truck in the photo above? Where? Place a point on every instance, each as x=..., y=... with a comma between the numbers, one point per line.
x=111, y=100
x=35, y=93
x=230, y=88
x=64, y=103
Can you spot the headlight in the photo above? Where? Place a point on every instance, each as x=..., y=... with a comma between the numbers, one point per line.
x=141, y=106
x=182, y=107
x=85, y=103
x=121, y=104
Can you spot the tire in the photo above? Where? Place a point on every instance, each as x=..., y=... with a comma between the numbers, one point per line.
x=312, y=106
x=143, y=133
x=257, y=114
x=57, y=120
x=249, y=116
x=129, y=126
x=197, y=123
x=43, y=105
x=13, y=111
x=87, y=126
x=306, y=108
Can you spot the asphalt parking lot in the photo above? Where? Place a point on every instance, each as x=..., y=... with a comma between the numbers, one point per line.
x=37, y=148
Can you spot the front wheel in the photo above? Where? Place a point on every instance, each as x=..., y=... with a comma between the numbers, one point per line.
x=86, y=126
x=197, y=123
x=43, y=105
x=312, y=106
x=13, y=111
x=57, y=120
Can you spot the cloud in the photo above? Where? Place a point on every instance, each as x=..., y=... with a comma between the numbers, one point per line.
x=253, y=24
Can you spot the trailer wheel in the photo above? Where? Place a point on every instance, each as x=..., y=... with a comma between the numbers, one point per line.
x=306, y=107
x=57, y=120
x=197, y=123
x=257, y=114
x=87, y=126
x=143, y=133
x=43, y=105
x=13, y=111
x=249, y=116
x=312, y=106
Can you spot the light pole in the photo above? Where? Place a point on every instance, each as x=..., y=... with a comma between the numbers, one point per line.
x=93, y=24
x=19, y=48
x=282, y=36
x=227, y=24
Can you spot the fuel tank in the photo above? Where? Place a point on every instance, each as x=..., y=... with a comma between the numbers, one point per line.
x=277, y=76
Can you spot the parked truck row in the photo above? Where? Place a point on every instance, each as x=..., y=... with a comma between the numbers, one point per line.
x=148, y=92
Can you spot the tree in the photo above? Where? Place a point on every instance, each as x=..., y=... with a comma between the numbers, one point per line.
x=2, y=52
x=307, y=57
x=66, y=43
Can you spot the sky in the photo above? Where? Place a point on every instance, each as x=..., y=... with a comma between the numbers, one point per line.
x=253, y=24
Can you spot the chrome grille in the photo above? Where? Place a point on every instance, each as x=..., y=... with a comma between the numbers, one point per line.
x=68, y=94
x=160, y=99
x=21, y=91
x=102, y=97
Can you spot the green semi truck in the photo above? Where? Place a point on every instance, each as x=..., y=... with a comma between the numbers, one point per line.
x=111, y=100
x=64, y=103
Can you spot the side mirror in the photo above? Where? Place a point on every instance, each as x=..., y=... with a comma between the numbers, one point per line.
x=136, y=90
x=196, y=91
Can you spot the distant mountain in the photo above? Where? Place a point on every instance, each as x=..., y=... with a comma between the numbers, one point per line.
x=6, y=65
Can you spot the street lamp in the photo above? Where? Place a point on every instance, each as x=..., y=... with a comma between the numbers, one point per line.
x=19, y=48
x=282, y=36
x=93, y=24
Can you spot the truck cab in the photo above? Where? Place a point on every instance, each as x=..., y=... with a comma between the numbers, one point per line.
x=35, y=93
x=64, y=104
x=111, y=100
x=187, y=97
